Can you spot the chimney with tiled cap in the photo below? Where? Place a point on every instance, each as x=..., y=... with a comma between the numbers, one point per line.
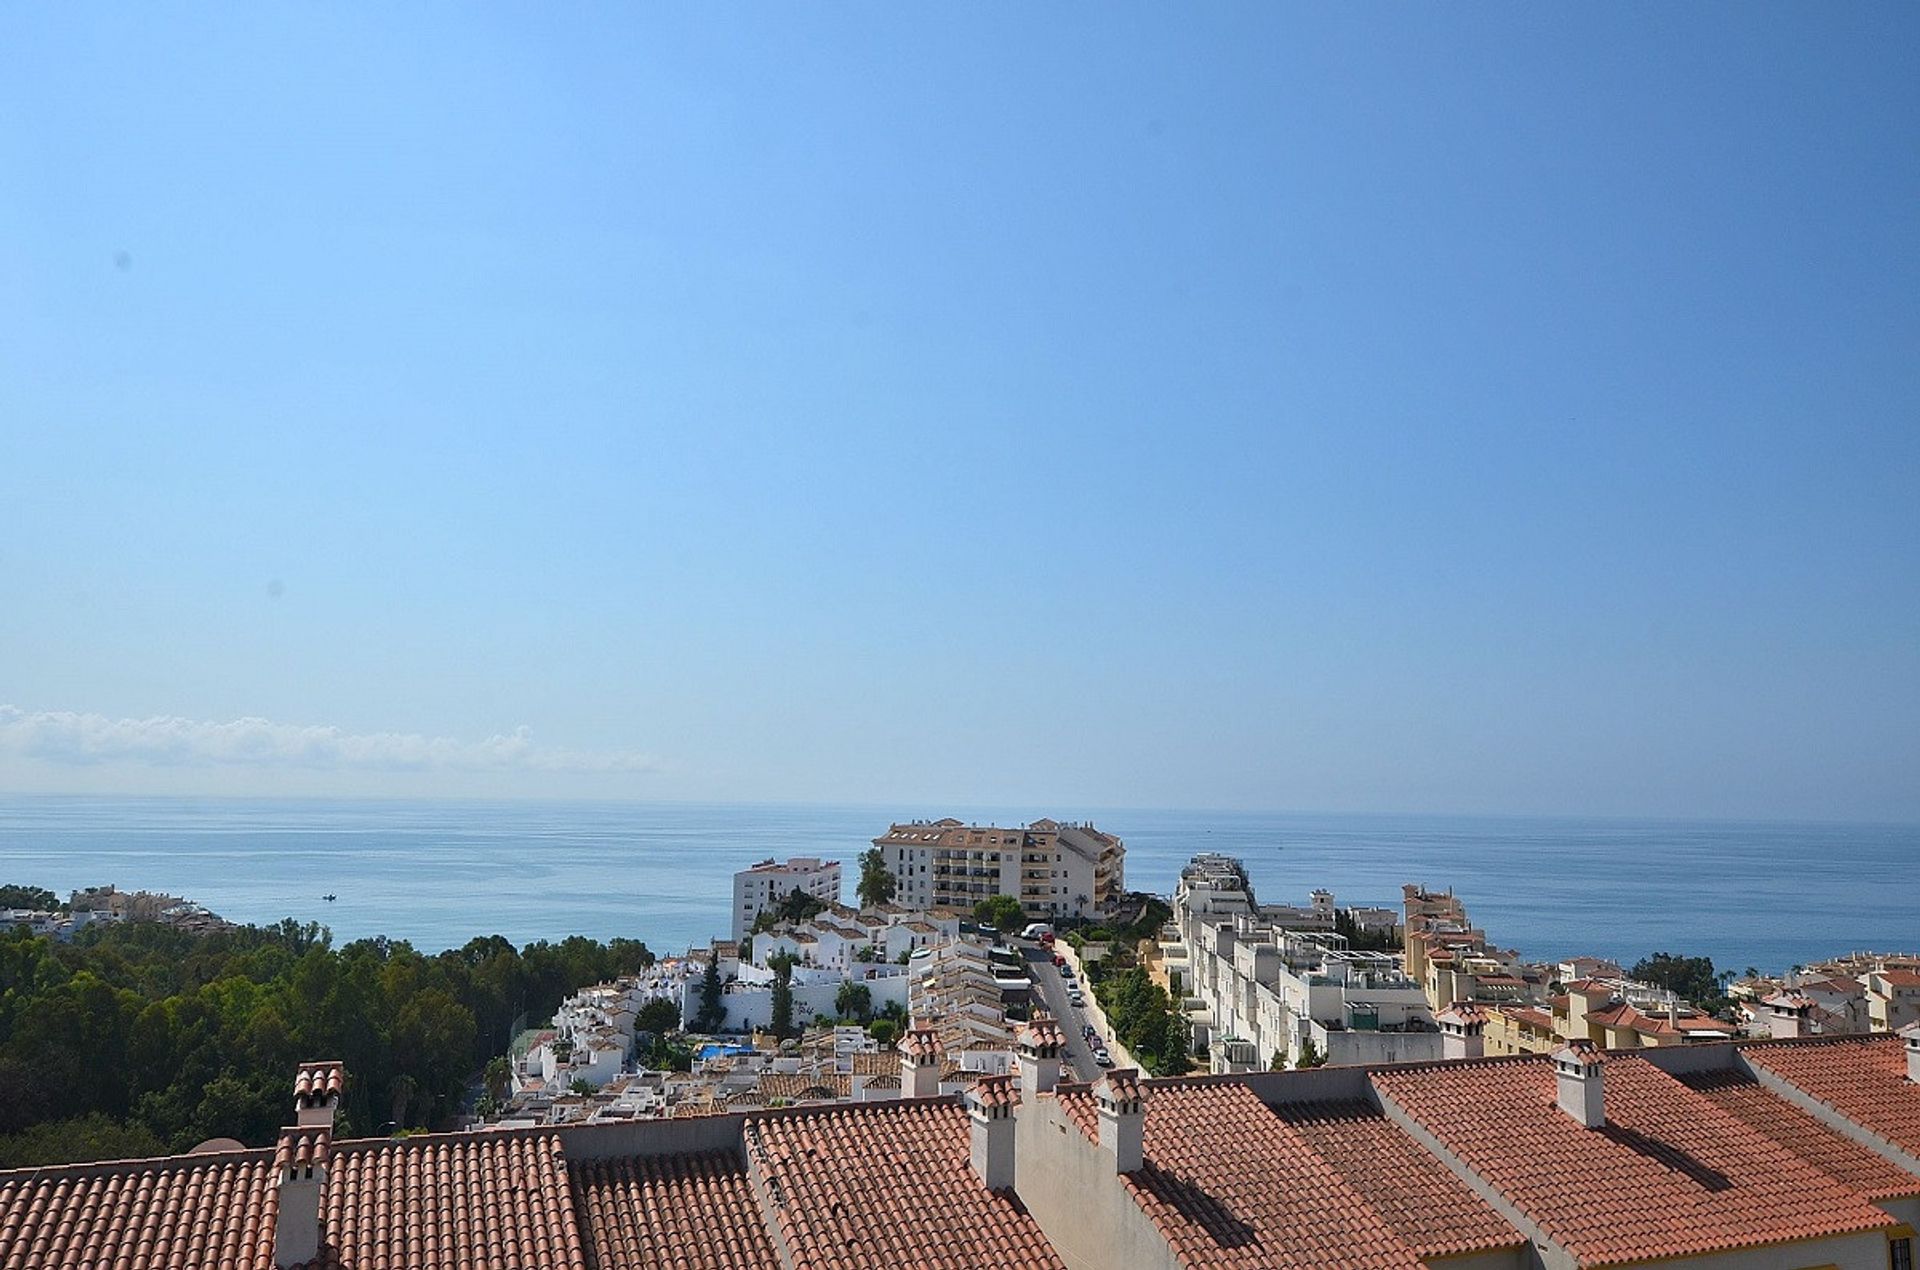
x=316, y=1092
x=1463, y=1030
x=919, y=1063
x=1040, y=1044
x=1123, y=1118
x=1579, y=1071
x=1912, y=1032
x=300, y=1163
x=990, y=1103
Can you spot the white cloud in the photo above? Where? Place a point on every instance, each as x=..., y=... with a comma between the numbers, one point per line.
x=71, y=738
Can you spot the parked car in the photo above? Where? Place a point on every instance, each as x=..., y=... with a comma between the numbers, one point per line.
x=1037, y=930
x=1058, y=960
x=1075, y=1000
x=1101, y=1058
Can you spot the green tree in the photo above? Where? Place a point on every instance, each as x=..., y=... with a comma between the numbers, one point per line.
x=877, y=883
x=884, y=1032
x=1000, y=911
x=1310, y=1055
x=1691, y=978
x=659, y=1017
x=1279, y=1063
x=854, y=1001
x=781, y=1025
x=498, y=1078
x=39, y=898
x=712, y=1012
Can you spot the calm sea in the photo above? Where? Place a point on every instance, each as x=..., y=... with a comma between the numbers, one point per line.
x=1768, y=895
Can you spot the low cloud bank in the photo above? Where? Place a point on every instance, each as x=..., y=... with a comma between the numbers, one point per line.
x=69, y=737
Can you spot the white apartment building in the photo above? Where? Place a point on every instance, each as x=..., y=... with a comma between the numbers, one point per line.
x=1267, y=989
x=768, y=882
x=1051, y=867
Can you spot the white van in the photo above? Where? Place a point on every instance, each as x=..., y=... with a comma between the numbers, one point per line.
x=1035, y=930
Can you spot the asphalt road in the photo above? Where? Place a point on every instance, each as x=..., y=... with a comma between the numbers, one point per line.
x=1053, y=994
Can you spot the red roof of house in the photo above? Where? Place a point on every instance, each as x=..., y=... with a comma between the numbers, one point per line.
x=449, y=1202
x=1862, y=1078
x=1857, y=1167
x=314, y=1083
x=213, y=1210
x=890, y=1184
x=1671, y=1172
x=1231, y=1184
x=694, y=1211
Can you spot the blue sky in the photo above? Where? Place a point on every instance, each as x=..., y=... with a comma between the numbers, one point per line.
x=1492, y=409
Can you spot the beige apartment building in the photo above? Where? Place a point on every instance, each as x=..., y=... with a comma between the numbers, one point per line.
x=1053, y=868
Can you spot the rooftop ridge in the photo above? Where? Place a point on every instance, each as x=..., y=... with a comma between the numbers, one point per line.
x=107, y=1168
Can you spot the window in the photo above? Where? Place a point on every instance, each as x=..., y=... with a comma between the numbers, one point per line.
x=1900, y=1253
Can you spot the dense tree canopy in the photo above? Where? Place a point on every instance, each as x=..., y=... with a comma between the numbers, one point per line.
x=877, y=883
x=1002, y=912
x=34, y=897
x=141, y=1034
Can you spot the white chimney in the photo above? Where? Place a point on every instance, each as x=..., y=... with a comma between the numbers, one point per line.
x=1579, y=1070
x=990, y=1102
x=301, y=1163
x=316, y=1092
x=1040, y=1044
x=1912, y=1033
x=1123, y=1118
x=1463, y=1031
x=919, y=1063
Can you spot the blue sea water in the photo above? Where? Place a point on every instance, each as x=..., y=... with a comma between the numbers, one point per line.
x=439, y=873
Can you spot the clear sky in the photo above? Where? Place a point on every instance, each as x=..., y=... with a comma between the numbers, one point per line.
x=1426, y=408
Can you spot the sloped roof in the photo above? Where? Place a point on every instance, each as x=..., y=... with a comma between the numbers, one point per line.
x=211, y=1210
x=1671, y=1173
x=450, y=1202
x=890, y=1184
x=1862, y=1078
x=1230, y=1184
x=694, y=1211
x=1848, y=1162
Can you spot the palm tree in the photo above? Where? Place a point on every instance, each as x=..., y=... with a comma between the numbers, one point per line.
x=498, y=1078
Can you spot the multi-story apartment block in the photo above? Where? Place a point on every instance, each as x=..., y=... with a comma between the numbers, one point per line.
x=1051, y=868
x=769, y=882
x=1273, y=980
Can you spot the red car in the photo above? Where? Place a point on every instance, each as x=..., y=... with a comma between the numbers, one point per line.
x=1058, y=960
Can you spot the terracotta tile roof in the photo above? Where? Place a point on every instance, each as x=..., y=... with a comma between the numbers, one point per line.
x=1420, y=1198
x=302, y=1149
x=1229, y=1184
x=695, y=1211
x=1120, y=1084
x=314, y=1083
x=799, y=1086
x=883, y=1082
x=1580, y=1053
x=884, y=1063
x=1669, y=1174
x=450, y=1202
x=1527, y=1016
x=920, y=1041
x=1900, y=978
x=1041, y=1032
x=1862, y=1078
x=1864, y=1171
x=993, y=1091
x=1463, y=1012
x=889, y=1184
x=186, y=1211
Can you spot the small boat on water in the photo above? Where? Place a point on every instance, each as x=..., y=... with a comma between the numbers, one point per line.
x=329, y=898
